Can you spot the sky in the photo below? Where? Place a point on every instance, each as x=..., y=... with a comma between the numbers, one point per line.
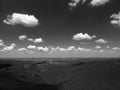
x=59, y=28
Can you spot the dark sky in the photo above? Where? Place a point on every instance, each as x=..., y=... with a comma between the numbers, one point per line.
x=58, y=23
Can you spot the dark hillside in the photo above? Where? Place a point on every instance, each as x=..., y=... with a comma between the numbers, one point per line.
x=60, y=75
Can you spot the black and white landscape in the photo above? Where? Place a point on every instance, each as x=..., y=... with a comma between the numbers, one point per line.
x=59, y=44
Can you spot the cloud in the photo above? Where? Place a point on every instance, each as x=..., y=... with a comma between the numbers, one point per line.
x=28, y=51
x=1, y=42
x=23, y=19
x=31, y=47
x=107, y=46
x=30, y=39
x=9, y=48
x=37, y=40
x=83, y=49
x=99, y=2
x=43, y=48
x=101, y=41
x=22, y=49
x=69, y=48
x=115, y=19
x=74, y=3
x=98, y=47
x=116, y=48
x=81, y=36
x=22, y=37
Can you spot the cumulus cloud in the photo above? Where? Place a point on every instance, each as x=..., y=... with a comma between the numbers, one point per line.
x=31, y=47
x=43, y=48
x=37, y=40
x=1, y=42
x=98, y=47
x=83, y=49
x=23, y=19
x=54, y=49
x=82, y=36
x=9, y=48
x=74, y=3
x=101, y=50
x=22, y=49
x=116, y=48
x=101, y=41
x=107, y=46
x=30, y=39
x=99, y=2
x=22, y=37
x=115, y=19
x=69, y=48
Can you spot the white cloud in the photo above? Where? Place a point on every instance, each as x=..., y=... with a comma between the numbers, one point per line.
x=98, y=47
x=1, y=42
x=70, y=48
x=107, y=46
x=115, y=19
x=116, y=48
x=74, y=3
x=83, y=49
x=101, y=41
x=22, y=49
x=29, y=50
x=99, y=2
x=30, y=39
x=31, y=47
x=22, y=37
x=43, y=48
x=101, y=50
x=37, y=40
x=9, y=48
x=13, y=44
x=23, y=19
x=81, y=36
